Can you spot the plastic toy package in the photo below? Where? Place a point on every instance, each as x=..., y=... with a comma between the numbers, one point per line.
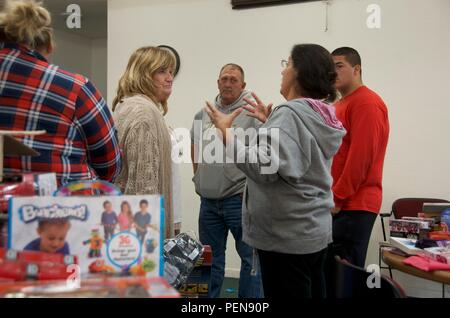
x=27, y=184
x=180, y=255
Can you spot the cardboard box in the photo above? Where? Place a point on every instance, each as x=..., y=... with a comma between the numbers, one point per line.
x=406, y=245
x=197, y=284
x=434, y=209
x=91, y=233
x=407, y=228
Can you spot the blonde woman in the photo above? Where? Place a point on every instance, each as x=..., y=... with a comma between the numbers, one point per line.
x=139, y=107
x=81, y=140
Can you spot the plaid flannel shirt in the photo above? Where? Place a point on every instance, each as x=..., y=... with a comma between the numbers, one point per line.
x=81, y=140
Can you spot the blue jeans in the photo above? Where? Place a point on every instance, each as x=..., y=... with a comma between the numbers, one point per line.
x=141, y=236
x=216, y=218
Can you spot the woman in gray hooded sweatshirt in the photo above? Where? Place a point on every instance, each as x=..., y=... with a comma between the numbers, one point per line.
x=288, y=197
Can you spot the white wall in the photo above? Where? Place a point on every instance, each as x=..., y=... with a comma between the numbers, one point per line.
x=72, y=52
x=82, y=55
x=99, y=62
x=406, y=62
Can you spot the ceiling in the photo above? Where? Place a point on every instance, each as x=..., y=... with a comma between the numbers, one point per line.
x=94, y=16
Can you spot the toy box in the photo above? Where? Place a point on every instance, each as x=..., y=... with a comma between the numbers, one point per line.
x=406, y=245
x=430, y=221
x=109, y=234
x=431, y=208
x=407, y=228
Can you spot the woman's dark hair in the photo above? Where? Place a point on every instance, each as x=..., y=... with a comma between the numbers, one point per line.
x=316, y=73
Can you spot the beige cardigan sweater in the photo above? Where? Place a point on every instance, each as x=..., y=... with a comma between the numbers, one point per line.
x=145, y=141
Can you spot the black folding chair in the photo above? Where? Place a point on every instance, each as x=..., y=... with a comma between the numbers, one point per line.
x=354, y=282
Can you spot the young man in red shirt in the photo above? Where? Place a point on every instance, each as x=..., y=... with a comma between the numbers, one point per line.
x=357, y=168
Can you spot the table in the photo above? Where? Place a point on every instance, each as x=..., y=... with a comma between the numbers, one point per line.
x=396, y=261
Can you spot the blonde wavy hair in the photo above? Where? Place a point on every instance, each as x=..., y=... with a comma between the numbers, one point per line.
x=138, y=76
x=28, y=23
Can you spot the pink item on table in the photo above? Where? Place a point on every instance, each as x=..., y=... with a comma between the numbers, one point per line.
x=425, y=264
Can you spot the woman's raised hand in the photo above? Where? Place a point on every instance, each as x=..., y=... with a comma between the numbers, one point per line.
x=257, y=109
x=220, y=120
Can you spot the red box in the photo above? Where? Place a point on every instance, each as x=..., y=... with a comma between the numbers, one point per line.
x=197, y=283
x=15, y=186
x=22, y=265
x=206, y=258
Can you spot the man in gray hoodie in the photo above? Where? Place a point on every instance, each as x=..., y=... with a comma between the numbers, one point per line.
x=220, y=185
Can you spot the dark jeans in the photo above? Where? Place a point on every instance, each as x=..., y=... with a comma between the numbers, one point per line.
x=351, y=235
x=109, y=232
x=293, y=275
x=217, y=217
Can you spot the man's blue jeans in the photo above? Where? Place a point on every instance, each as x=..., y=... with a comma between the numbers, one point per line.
x=216, y=218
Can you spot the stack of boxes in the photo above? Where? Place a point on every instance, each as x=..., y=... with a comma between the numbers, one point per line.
x=426, y=229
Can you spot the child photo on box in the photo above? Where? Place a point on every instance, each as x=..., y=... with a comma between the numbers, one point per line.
x=109, y=220
x=125, y=217
x=142, y=220
x=52, y=237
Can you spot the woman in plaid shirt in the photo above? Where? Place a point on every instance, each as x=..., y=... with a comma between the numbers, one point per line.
x=81, y=140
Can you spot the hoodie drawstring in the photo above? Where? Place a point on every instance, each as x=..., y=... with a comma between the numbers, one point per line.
x=254, y=270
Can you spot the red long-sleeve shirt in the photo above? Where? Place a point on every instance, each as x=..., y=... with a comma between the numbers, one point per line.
x=357, y=168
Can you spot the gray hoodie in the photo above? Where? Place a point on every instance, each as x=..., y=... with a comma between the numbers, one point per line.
x=288, y=211
x=218, y=179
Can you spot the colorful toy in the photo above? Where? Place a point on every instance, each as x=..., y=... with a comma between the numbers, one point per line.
x=142, y=268
x=148, y=265
x=103, y=186
x=96, y=244
x=137, y=270
x=99, y=266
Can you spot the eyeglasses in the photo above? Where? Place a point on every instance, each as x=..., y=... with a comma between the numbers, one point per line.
x=284, y=63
